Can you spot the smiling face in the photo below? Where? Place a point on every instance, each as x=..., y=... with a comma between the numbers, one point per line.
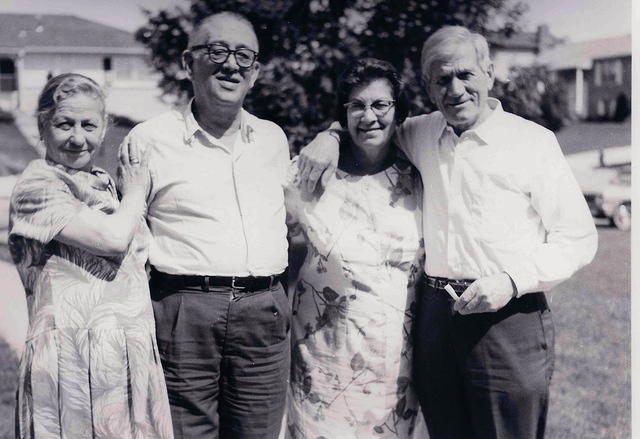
x=371, y=132
x=224, y=84
x=74, y=131
x=460, y=87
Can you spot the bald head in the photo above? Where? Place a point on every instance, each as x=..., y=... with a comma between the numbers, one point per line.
x=231, y=21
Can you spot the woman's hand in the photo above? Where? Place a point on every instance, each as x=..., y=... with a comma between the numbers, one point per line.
x=133, y=170
x=110, y=234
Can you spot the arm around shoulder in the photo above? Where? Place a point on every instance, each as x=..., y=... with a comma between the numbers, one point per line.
x=103, y=234
x=110, y=235
x=319, y=159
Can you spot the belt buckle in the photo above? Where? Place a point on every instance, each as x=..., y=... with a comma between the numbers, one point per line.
x=236, y=287
x=458, y=283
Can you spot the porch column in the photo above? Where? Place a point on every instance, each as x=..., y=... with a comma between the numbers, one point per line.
x=579, y=104
x=19, y=65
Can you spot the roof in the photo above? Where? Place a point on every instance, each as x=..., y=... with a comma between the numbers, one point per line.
x=520, y=40
x=582, y=54
x=535, y=41
x=62, y=33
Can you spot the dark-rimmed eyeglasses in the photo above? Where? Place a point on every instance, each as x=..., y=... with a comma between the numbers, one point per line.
x=219, y=54
x=379, y=107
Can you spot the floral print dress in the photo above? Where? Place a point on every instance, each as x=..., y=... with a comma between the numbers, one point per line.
x=353, y=306
x=90, y=367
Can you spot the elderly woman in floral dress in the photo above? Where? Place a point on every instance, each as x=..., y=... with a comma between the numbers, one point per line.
x=353, y=305
x=90, y=367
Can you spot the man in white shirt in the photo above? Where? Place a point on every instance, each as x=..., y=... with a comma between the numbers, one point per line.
x=504, y=220
x=217, y=219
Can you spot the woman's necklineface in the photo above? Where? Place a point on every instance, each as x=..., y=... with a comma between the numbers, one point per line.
x=75, y=131
x=369, y=132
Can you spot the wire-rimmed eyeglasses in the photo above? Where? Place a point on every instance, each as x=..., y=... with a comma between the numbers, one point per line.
x=380, y=107
x=219, y=54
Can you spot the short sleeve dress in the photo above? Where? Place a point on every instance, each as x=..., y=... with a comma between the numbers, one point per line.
x=353, y=306
x=90, y=367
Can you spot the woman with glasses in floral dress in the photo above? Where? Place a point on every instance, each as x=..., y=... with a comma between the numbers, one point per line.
x=353, y=304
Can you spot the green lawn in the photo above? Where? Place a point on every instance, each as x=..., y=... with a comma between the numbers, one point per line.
x=8, y=377
x=107, y=155
x=15, y=152
x=591, y=387
x=586, y=136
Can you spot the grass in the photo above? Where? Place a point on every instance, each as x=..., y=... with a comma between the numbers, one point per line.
x=591, y=387
x=586, y=136
x=8, y=378
x=15, y=152
x=107, y=155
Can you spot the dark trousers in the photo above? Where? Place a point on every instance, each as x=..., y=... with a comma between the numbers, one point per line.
x=483, y=376
x=225, y=358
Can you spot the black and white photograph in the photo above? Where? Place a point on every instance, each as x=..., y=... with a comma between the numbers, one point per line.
x=316, y=219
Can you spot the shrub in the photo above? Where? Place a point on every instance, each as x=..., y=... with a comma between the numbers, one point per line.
x=6, y=116
x=535, y=94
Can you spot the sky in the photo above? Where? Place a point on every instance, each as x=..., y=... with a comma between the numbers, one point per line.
x=577, y=20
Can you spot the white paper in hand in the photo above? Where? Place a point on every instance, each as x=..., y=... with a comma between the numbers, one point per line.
x=449, y=289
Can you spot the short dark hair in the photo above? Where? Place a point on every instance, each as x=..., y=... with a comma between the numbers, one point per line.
x=363, y=72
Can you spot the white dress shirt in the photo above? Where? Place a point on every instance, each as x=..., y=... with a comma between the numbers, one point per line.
x=214, y=210
x=500, y=197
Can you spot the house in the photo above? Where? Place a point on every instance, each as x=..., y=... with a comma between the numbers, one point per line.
x=597, y=74
x=34, y=47
x=519, y=49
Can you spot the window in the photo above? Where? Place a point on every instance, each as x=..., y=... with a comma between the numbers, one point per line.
x=107, y=64
x=608, y=72
x=7, y=75
x=617, y=70
x=598, y=73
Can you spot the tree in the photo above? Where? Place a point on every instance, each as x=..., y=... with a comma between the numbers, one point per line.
x=305, y=44
x=535, y=94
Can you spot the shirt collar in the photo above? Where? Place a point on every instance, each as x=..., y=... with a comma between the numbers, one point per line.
x=487, y=130
x=192, y=127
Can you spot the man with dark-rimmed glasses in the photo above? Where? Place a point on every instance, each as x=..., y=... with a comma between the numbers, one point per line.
x=218, y=247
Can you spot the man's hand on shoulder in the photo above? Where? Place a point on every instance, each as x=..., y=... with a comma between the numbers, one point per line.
x=318, y=160
x=488, y=294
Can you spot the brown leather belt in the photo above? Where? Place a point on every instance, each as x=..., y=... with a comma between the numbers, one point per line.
x=205, y=283
x=458, y=285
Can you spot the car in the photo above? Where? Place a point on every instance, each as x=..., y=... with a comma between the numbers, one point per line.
x=605, y=179
x=613, y=200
